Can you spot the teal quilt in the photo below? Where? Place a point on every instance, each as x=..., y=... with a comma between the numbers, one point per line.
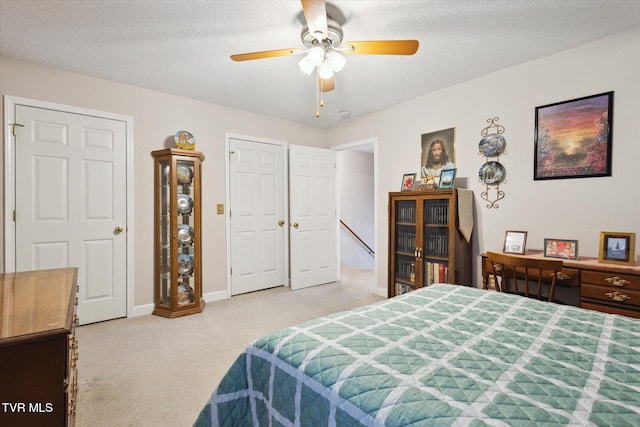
x=445, y=355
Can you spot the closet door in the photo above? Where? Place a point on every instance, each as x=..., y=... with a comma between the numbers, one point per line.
x=257, y=220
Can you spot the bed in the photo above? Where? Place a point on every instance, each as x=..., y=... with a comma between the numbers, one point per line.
x=439, y=356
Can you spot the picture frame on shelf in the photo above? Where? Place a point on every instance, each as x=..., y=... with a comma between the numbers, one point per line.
x=408, y=181
x=561, y=248
x=515, y=242
x=573, y=139
x=617, y=248
x=447, y=179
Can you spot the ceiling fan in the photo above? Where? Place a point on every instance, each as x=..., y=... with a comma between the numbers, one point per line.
x=322, y=38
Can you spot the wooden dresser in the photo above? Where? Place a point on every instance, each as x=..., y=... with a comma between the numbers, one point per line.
x=38, y=348
x=610, y=288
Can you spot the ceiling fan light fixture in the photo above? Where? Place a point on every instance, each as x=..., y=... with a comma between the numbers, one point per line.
x=316, y=55
x=306, y=66
x=325, y=71
x=336, y=61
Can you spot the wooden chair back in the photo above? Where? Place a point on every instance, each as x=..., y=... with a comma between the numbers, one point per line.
x=509, y=269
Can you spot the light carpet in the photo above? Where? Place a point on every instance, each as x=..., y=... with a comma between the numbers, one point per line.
x=153, y=371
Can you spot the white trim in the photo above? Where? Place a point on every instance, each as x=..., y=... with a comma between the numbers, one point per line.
x=285, y=169
x=355, y=145
x=10, y=102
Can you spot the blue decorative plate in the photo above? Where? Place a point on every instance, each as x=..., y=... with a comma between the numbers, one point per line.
x=492, y=145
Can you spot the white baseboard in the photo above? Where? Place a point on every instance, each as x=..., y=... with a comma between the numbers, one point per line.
x=143, y=310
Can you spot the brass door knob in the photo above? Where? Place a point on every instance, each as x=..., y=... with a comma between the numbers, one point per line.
x=281, y=223
x=295, y=225
x=119, y=229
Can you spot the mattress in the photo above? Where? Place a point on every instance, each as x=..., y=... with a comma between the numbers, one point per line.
x=445, y=355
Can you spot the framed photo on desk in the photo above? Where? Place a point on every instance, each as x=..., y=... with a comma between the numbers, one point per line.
x=561, y=248
x=515, y=242
x=617, y=248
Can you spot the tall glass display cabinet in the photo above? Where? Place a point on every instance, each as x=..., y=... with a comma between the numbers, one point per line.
x=178, y=274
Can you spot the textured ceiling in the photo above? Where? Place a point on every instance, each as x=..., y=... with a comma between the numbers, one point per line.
x=183, y=47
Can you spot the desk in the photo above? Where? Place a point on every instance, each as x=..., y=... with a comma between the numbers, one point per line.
x=610, y=288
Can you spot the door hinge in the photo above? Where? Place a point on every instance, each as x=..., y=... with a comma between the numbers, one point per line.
x=13, y=127
x=14, y=215
x=230, y=271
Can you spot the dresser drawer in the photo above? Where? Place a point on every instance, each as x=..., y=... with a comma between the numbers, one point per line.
x=611, y=280
x=610, y=295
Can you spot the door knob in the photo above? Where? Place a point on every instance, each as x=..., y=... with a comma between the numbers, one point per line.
x=281, y=223
x=119, y=229
x=295, y=225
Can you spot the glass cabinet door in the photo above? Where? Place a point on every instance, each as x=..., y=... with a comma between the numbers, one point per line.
x=164, y=220
x=405, y=245
x=435, y=253
x=184, y=256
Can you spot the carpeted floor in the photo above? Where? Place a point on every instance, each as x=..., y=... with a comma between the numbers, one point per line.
x=152, y=371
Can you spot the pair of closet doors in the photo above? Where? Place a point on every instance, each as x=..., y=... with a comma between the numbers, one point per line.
x=281, y=218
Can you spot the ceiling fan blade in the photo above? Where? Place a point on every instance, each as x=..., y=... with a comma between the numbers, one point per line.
x=381, y=47
x=326, y=85
x=315, y=12
x=265, y=54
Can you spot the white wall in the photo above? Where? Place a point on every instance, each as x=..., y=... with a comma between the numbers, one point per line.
x=572, y=208
x=569, y=208
x=356, y=198
x=157, y=117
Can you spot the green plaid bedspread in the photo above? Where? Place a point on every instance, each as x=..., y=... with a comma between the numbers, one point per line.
x=441, y=356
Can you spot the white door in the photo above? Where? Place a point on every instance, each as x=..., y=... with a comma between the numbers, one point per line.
x=313, y=218
x=257, y=215
x=70, y=202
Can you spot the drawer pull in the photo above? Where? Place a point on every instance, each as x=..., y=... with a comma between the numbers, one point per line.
x=616, y=281
x=561, y=276
x=617, y=296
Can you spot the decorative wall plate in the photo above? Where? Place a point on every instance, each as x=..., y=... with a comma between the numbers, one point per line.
x=185, y=203
x=185, y=233
x=491, y=173
x=492, y=145
x=185, y=140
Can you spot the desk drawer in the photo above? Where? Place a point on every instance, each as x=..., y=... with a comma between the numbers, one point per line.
x=568, y=277
x=611, y=280
x=610, y=295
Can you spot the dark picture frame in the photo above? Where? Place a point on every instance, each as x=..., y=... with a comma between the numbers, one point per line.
x=408, y=181
x=561, y=248
x=617, y=248
x=573, y=139
x=515, y=242
x=447, y=179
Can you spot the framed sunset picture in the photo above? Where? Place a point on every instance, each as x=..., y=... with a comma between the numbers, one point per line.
x=573, y=138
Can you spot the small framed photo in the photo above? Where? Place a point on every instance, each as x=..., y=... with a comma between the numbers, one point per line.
x=617, y=248
x=515, y=242
x=447, y=179
x=561, y=248
x=408, y=180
